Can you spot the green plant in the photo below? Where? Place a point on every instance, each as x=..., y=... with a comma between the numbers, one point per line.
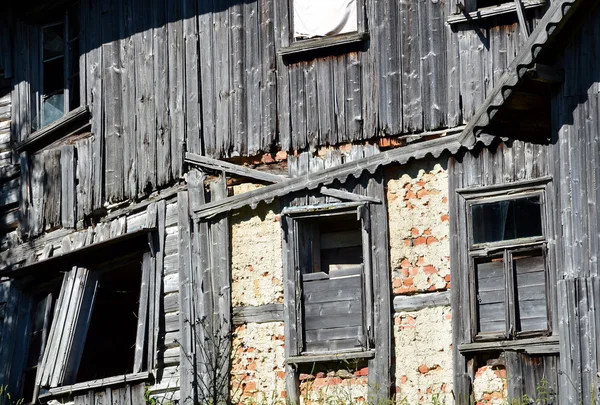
x=4, y=392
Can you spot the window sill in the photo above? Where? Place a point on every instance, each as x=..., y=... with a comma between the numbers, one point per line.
x=104, y=382
x=70, y=124
x=313, y=44
x=543, y=344
x=493, y=11
x=316, y=358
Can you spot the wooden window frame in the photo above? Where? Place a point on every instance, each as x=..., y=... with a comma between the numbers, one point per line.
x=291, y=45
x=65, y=381
x=506, y=249
x=293, y=306
x=69, y=72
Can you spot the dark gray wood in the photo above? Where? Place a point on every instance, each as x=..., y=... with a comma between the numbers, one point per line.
x=186, y=313
x=260, y=314
x=220, y=165
x=68, y=191
x=421, y=301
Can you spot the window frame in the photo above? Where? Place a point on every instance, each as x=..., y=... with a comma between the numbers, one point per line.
x=291, y=45
x=507, y=249
x=70, y=70
x=291, y=219
x=138, y=246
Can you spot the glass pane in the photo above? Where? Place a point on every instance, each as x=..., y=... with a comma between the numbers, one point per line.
x=506, y=220
x=491, y=305
x=530, y=291
x=54, y=41
x=53, y=108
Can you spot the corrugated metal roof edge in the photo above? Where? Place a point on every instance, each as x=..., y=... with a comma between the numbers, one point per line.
x=548, y=28
x=434, y=147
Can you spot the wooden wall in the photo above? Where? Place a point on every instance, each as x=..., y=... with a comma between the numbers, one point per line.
x=576, y=170
x=163, y=76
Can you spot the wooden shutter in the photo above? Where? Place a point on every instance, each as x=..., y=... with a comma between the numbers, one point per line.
x=490, y=296
x=531, y=311
x=333, y=309
x=69, y=329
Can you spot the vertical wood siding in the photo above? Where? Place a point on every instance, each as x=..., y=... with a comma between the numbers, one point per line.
x=204, y=76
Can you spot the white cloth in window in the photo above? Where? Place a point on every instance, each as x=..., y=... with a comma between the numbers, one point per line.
x=319, y=18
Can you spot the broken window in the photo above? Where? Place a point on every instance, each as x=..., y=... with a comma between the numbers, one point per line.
x=57, y=90
x=317, y=18
x=333, y=280
x=94, y=325
x=509, y=277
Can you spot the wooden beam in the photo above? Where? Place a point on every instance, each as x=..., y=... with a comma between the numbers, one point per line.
x=493, y=11
x=222, y=166
x=522, y=21
x=408, y=303
x=260, y=314
x=402, y=155
x=345, y=195
x=101, y=383
x=546, y=74
x=313, y=44
x=77, y=119
x=316, y=358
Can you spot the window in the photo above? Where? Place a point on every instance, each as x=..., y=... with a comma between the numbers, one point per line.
x=315, y=24
x=57, y=90
x=509, y=276
x=94, y=325
x=470, y=10
x=317, y=18
x=332, y=280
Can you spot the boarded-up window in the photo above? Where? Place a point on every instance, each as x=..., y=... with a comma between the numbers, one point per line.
x=318, y=18
x=332, y=281
x=332, y=298
x=509, y=275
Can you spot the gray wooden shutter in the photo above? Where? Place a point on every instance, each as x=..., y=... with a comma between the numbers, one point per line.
x=490, y=296
x=69, y=329
x=333, y=309
x=530, y=291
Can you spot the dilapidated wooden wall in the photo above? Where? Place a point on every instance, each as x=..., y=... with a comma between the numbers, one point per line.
x=162, y=77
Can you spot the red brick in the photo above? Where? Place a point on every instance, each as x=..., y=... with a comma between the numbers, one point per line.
x=419, y=241
x=423, y=369
x=281, y=156
x=415, y=232
x=363, y=372
x=408, y=282
x=429, y=269
x=410, y=195
x=445, y=218
x=432, y=240
x=267, y=158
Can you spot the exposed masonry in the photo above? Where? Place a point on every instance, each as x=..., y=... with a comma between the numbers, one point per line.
x=490, y=386
x=256, y=256
x=423, y=356
x=258, y=363
x=419, y=248
x=419, y=228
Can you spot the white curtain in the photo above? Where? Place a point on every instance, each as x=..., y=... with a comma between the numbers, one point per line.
x=319, y=18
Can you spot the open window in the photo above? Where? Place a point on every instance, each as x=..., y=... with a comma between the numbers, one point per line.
x=332, y=281
x=56, y=89
x=473, y=10
x=90, y=322
x=509, y=273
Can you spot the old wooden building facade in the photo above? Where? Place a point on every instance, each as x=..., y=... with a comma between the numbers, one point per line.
x=271, y=201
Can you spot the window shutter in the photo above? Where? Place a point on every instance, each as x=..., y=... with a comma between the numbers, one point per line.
x=69, y=329
x=490, y=296
x=333, y=309
x=530, y=291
